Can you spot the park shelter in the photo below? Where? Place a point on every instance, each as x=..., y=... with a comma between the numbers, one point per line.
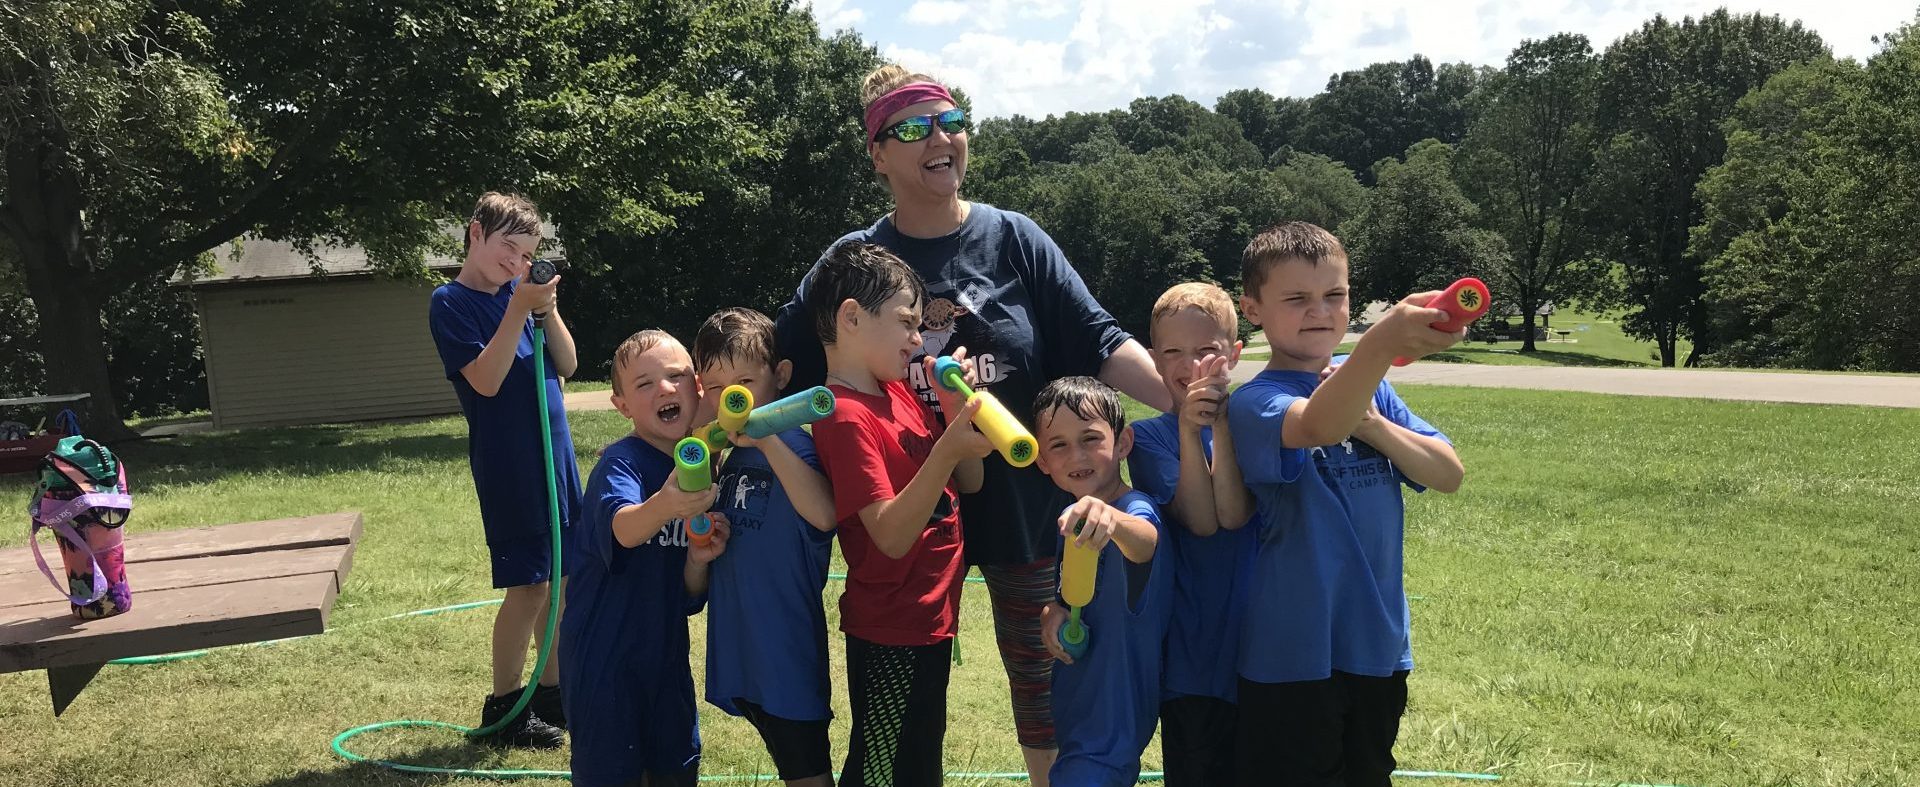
x=292, y=339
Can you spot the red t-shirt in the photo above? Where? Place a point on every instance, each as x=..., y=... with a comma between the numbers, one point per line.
x=871, y=447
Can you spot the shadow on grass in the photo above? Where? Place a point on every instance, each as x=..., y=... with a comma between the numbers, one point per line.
x=296, y=451
x=1547, y=357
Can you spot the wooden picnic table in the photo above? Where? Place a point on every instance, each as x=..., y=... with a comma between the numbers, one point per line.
x=192, y=588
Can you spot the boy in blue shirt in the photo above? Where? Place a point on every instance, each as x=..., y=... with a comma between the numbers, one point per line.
x=1184, y=461
x=1106, y=702
x=766, y=628
x=482, y=322
x=623, y=644
x=1325, y=649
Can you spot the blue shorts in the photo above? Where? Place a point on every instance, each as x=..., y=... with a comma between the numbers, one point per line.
x=628, y=725
x=528, y=561
x=1081, y=771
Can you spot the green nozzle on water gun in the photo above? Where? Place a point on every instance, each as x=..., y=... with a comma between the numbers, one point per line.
x=693, y=460
x=738, y=414
x=1008, y=436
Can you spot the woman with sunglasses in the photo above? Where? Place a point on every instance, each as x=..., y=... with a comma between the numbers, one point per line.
x=999, y=287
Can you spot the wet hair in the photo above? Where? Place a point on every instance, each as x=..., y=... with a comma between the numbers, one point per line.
x=740, y=335
x=864, y=272
x=1085, y=397
x=508, y=213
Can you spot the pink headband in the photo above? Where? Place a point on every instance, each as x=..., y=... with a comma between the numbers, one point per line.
x=900, y=98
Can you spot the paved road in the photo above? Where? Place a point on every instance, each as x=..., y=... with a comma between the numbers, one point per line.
x=1883, y=391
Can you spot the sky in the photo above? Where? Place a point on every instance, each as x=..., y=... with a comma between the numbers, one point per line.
x=1042, y=57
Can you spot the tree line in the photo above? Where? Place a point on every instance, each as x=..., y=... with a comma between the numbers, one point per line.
x=1721, y=180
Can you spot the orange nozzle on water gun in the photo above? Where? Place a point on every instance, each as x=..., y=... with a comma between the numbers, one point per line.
x=1464, y=301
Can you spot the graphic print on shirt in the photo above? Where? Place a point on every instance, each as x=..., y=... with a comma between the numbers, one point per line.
x=958, y=317
x=747, y=491
x=1356, y=466
x=673, y=534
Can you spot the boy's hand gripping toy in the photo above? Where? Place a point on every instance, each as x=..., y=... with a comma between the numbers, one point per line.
x=1008, y=436
x=542, y=271
x=1078, y=567
x=1464, y=301
x=694, y=454
x=737, y=414
x=692, y=459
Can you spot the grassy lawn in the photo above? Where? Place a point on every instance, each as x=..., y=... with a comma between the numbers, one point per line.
x=1628, y=589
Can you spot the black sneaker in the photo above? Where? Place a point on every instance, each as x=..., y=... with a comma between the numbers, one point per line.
x=524, y=731
x=546, y=705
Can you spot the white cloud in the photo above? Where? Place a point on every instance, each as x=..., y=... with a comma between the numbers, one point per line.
x=1054, y=56
x=936, y=12
x=834, y=15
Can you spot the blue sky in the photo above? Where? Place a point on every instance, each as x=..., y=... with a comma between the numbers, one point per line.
x=1040, y=57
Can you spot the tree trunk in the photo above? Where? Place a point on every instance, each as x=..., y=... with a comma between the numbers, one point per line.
x=1667, y=341
x=43, y=219
x=1526, y=325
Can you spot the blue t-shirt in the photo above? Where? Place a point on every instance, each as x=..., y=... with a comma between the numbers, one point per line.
x=766, y=627
x=623, y=640
x=503, y=430
x=1327, y=590
x=1106, y=703
x=1203, y=643
x=1001, y=288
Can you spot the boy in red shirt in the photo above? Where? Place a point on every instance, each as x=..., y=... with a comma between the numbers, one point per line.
x=894, y=475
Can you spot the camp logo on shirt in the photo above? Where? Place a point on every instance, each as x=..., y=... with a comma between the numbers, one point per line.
x=949, y=323
x=1356, y=465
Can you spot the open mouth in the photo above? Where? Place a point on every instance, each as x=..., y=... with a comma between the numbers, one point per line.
x=938, y=164
x=1080, y=475
x=668, y=413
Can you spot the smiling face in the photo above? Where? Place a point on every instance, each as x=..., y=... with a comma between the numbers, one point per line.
x=1181, y=341
x=1302, y=306
x=1082, y=455
x=659, y=393
x=501, y=257
x=927, y=169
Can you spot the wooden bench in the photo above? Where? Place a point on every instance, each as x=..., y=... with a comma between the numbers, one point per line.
x=192, y=589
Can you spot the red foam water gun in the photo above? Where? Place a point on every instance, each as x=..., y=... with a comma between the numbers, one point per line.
x=1464, y=301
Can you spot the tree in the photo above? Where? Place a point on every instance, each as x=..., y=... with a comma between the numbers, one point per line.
x=1526, y=163
x=1382, y=110
x=1259, y=116
x=1665, y=91
x=1807, y=228
x=749, y=242
x=1416, y=231
x=138, y=135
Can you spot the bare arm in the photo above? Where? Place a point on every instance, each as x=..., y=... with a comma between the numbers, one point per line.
x=969, y=475
x=698, y=574
x=1130, y=370
x=636, y=524
x=486, y=372
x=1135, y=536
x=1427, y=461
x=560, y=345
x=806, y=487
x=1193, y=494
x=1232, y=501
x=896, y=524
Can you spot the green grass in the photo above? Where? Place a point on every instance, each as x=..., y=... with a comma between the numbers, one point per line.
x=579, y=386
x=1687, y=592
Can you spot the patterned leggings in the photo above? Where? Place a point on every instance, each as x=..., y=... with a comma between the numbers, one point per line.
x=1019, y=593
